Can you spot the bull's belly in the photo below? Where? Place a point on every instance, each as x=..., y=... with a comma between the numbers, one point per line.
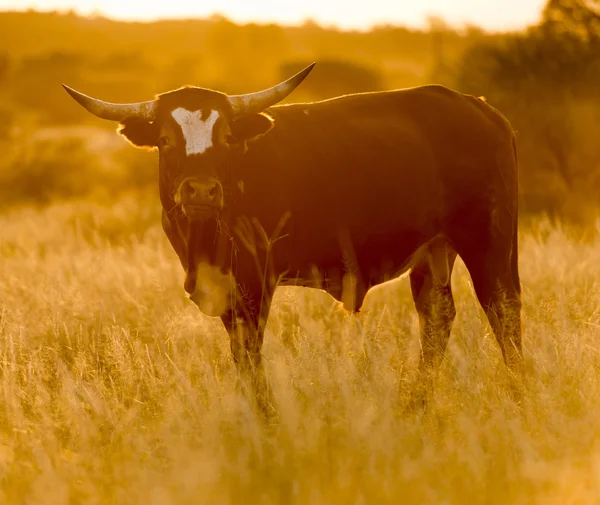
x=347, y=279
x=349, y=283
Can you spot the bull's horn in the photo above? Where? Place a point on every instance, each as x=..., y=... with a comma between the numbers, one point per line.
x=114, y=111
x=255, y=102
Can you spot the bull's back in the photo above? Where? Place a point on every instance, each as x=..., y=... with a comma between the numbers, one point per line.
x=360, y=156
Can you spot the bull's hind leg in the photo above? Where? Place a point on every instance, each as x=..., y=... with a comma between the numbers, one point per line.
x=430, y=283
x=501, y=301
x=493, y=267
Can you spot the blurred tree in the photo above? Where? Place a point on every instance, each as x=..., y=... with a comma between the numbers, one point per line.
x=545, y=80
x=580, y=18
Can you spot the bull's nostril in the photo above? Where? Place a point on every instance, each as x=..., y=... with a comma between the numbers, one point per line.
x=188, y=189
x=200, y=192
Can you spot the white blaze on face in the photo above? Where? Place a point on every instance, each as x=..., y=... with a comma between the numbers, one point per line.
x=197, y=132
x=213, y=290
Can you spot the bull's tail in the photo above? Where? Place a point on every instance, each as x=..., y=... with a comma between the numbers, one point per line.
x=514, y=257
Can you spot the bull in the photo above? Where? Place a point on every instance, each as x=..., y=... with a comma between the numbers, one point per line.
x=346, y=192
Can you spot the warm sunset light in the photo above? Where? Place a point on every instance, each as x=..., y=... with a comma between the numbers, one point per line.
x=355, y=14
x=299, y=252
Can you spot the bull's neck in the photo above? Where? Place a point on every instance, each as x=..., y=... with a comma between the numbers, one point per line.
x=207, y=242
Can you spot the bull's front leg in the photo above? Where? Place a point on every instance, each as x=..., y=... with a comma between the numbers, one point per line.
x=245, y=324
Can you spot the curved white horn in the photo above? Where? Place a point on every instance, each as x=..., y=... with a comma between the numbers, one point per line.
x=255, y=102
x=114, y=111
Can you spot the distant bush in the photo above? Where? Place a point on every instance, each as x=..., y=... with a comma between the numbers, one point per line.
x=44, y=170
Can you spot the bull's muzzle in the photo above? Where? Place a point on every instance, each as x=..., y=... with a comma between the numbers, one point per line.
x=200, y=199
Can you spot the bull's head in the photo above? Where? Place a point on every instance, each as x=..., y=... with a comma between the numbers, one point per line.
x=196, y=132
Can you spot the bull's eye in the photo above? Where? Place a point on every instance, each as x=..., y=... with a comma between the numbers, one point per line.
x=164, y=142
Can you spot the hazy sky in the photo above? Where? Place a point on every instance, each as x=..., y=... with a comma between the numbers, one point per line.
x=491, y=14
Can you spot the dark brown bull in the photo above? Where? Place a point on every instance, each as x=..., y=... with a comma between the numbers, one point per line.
x=349, y=191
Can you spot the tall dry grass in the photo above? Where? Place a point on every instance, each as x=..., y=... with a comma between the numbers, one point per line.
x=115, y=389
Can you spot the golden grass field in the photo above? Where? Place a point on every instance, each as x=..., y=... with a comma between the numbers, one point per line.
x=114, y=389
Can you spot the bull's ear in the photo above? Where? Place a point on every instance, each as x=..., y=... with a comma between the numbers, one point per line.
x=251, y=126
x=139, y=132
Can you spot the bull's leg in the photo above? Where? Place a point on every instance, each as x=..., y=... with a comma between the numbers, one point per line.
x=432, y=294
x=496, y=281
x=246, y=331
x=501, y=301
